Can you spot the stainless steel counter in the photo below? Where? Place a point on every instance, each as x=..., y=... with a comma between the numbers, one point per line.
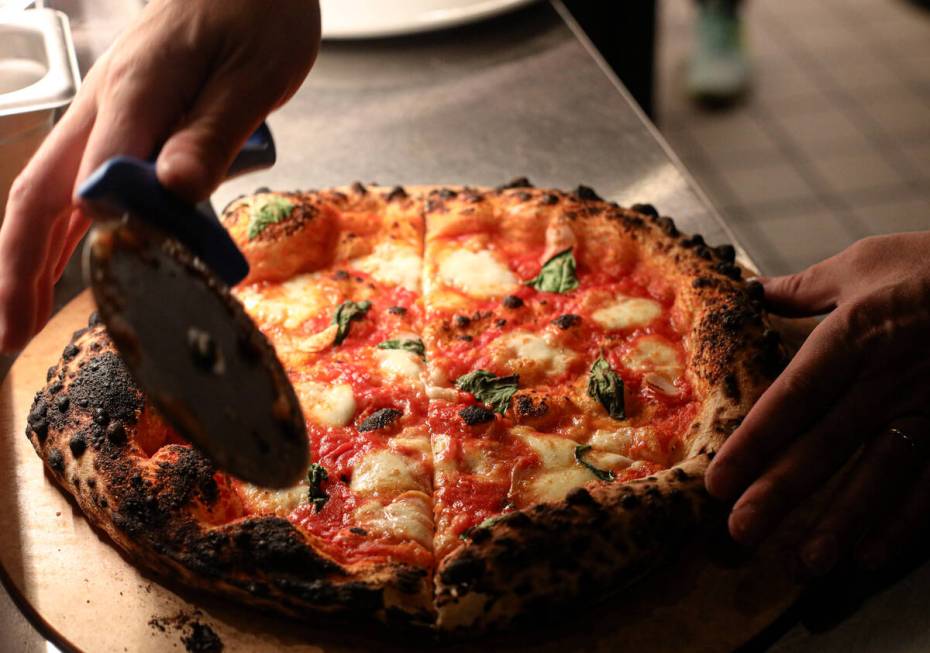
x=521, y=95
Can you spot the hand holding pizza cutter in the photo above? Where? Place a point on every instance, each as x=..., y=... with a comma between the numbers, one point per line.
x=160, y=271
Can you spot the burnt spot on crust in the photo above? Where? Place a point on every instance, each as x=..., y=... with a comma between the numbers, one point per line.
x=359, y=188
x=729, y=270
x=580, y=497
x=396, y=193
x=116, y=433
x=680, y=475
x=476, y=414
x=645, y=209
x=667, y=225
x=528, y=409
x=78, y=444
x=567, y=321
x=189, y=475
x=37, y=420
x=755, y=291
x=731, y=387
x=462, y=571
x=71, y=350
x=725, y=253
x=550, y=199
x=410, y=579
x=461, y=321
x=518, y=182
x=694, y=240
x=104, y=387
x=56, y=460
x=587, y=193
x=512, y=302
x=380, y=419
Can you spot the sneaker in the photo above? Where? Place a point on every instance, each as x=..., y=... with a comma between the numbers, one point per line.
x=719, y=67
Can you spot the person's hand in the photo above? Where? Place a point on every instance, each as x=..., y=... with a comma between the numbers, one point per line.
x=198, y=76
x=860, y=382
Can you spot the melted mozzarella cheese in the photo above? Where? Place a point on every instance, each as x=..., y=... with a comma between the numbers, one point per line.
x=412, y=442
x=327, y=405
x=555, y=486
x=408, y=517
x=525, y=352
x=477, y=274
x=277, y=502
x=398, y=363
x=386, y=472
x=559, y=472
x=392, y=264
x=618, y=441
x=627, y=313
x=291, y=304
x=554, y=452
x=653, y=353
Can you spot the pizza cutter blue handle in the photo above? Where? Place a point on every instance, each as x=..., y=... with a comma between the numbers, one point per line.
x=125, y=184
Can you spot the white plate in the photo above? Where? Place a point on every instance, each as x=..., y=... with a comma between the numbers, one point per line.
x=361, y=19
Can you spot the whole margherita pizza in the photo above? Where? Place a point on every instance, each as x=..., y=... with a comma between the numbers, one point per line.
x=511, y=397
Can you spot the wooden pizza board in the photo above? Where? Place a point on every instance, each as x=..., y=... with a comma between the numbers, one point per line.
x=77, y=589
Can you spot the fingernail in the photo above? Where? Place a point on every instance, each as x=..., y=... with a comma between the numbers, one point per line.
x=745, y=524
x=820, y=554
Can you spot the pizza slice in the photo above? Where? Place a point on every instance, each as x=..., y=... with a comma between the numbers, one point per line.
x=569, y=343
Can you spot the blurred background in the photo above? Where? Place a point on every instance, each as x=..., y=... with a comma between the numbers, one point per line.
x=831, y=142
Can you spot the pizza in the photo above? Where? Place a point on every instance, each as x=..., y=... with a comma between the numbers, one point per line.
x=511, y=397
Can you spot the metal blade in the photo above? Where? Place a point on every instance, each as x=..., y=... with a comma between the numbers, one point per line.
x=196, y=354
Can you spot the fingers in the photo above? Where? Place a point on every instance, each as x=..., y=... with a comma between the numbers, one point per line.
x=78, y=224
x=137, y=109
x=888, y=467
x=39, y=199
x=804, y=466
x=820, y=372
x=810, y=292
x=195, y=159
x=902, y=522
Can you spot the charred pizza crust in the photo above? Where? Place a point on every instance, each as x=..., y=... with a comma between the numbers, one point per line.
x=165, y=510
x=165, y=507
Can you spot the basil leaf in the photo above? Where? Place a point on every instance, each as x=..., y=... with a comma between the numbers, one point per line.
x=607, y=387
x=345, y=314
x=557, y=274
x=495, y=391
x=602, y=474
x=316, y=476
x=414, y=346
x=267, y=211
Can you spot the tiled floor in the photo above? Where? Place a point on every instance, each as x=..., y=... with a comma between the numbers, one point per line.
x=832, y=145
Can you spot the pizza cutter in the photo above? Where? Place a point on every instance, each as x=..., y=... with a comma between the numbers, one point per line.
x=160, y=271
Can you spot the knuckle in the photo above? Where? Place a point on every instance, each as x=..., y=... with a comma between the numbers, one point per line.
x=21, y=190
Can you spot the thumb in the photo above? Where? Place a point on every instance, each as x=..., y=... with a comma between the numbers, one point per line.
x=194, y=160
x=810, y=292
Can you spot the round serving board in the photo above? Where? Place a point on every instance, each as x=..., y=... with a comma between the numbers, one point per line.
x=81, y=593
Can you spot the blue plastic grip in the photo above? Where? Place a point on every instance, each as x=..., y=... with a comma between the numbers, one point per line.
x=127, y=184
